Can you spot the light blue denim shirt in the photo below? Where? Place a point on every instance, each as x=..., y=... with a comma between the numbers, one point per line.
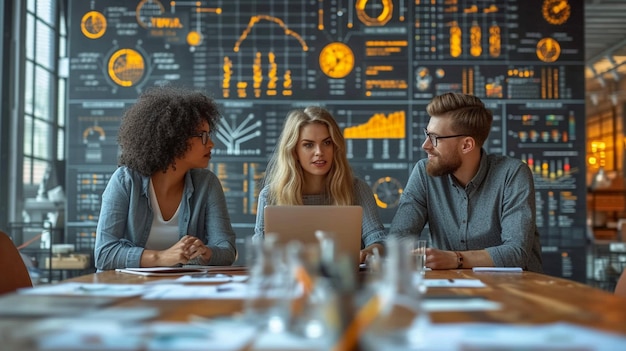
x=126, y=218
x=372, y=229
x=494, y=212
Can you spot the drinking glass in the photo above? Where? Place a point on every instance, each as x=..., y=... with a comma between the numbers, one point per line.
x=419, y=250
x=313, y=313
x=267, y=296
x=401, y=322
x=419, y=254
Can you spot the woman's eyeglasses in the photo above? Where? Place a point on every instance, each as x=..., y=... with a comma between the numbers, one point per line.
x=205, y=137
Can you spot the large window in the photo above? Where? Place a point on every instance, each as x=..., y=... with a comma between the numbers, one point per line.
x=43, y=89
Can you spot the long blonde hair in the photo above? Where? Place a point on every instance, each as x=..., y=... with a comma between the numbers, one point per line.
x=285, y=175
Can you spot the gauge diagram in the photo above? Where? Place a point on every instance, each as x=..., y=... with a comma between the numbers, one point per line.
x=93, y=25
x=336, y=60
x=548, y=50
x=387, y=191
x=556, y=11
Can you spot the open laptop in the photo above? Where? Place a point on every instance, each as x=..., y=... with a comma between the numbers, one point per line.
x=301, y=222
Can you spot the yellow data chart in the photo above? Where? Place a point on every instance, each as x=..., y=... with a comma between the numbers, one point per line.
x=379, y=126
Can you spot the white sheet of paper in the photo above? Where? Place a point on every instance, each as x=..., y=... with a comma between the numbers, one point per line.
x=87, y=289
x=201, y=278
x=189, y=292
x=548, y=337
x=454, y=283
x=219, y=278
x=158, y=336
x=288, y=342
x=461, y=304
x=223, y=291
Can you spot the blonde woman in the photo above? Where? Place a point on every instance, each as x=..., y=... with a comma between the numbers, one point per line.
x=310, y=167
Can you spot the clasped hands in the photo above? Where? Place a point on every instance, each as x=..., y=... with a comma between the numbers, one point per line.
x=189, y=248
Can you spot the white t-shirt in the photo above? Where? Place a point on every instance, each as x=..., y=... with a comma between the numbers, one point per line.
x=163, y=234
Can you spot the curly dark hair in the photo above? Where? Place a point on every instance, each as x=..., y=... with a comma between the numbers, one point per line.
x=157, y=128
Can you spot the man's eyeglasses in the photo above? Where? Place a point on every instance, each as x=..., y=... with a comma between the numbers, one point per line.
x=205, y=137
x=433, y=138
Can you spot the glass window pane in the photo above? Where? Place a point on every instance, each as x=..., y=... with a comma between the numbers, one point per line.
x=39, y=168
x=45, y=42
x=61, y=106
x=28, y=88
x=30, y=6
x=62, y=47
x=27, y=169
x=43, y=89
x=41, y=140
x=29, y=44
x=62, y=24
x=45, y=11
x=28, y=135
x=61, y=144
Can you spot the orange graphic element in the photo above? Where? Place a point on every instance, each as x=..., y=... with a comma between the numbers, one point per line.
x=256, y=19
x=320, y=19
x=94, y=129
x=455, y=40
x=217, y=10
x=548, y=50
x=93, y=25
x=382, y=19
x=166, y=22
x=126, y=67
x=379, y=126
x=475, y=40
x=556, y=11
x=336, y=60
x=146, y=9
x=471, y=9
x=228, y=73
x=491, y=9
x=495, y=41
x=194, y=38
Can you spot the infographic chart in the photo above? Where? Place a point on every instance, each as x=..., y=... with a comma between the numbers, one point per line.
x=374, y=64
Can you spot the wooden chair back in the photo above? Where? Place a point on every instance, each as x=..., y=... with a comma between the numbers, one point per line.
x=14, y=274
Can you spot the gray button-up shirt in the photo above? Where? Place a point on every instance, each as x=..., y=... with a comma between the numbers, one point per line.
x=495, y=211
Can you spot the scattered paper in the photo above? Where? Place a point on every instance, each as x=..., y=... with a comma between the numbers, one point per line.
x=87, y=289
x=454, y=283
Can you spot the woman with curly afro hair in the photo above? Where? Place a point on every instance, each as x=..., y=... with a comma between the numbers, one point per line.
x=162, y=207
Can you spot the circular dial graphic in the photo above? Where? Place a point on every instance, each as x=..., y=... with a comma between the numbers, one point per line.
x=387, y=192
x=548, y=50
x=336, y=60
x=93, y=25
x=126, y=67
x=147, y=9
x=556, y=11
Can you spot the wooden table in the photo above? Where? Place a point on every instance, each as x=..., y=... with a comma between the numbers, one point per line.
x=526, y=298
